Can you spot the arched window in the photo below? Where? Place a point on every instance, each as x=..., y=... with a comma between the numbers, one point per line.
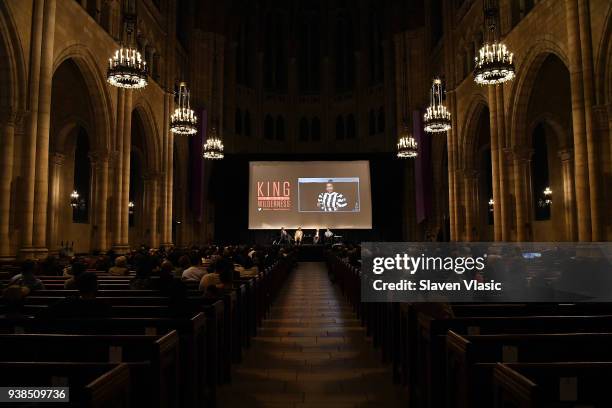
x=280, y=128
x=269, y=127
x=372, y=123
x=351, y=128
x=275, y=52
x=238, y=122
x=247, y=124
x=381, y=120
x=540, y=174
x=309, y=50
x=344, y=53
x=339, y=128
x=375, y=45
x=315, y=131
x=82, y=179
x=243, y=48
x=303, y=129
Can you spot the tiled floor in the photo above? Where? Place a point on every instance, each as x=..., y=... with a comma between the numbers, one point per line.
x=311, y=352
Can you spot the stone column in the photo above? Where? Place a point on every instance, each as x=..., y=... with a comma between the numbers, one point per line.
x=29, y=144
x=495, y=155
x=118, y=173
x=451, y=137
x=504, y=191
x=125, y=178
x=151, y=204
x=567, y=171
x=581, y=168
x=56, y=202
x=100, y=164
x=41, y=180
x=594, y=167
x=470, y=180
x=166, y=194
x=522, y=159
x=7, y=141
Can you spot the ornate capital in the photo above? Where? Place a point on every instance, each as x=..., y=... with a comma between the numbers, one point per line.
x=58, y=159
x=519, y=153
x=99, y=156
x=566, y=154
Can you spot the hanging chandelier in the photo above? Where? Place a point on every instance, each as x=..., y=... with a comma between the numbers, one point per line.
x=127, y=68
x=213, y=148
x=407, y=146
x=437, y=118
x=183, y=121
x=494, y=63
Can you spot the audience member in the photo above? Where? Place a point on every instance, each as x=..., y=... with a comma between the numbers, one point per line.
x=120, y=268
x=85, y=304
x=27, y=277
x=195, y=271
x=77, y=269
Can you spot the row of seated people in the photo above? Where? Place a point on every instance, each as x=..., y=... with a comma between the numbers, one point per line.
x=475, y=355
x=148, y=338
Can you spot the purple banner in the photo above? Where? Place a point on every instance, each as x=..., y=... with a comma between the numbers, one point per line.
x=196, y=165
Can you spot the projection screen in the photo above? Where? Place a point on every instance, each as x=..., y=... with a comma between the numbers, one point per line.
x=315, y=194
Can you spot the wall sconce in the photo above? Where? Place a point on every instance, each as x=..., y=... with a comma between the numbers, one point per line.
x=74, y=199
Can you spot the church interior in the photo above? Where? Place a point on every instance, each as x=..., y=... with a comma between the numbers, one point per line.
x=193, y=193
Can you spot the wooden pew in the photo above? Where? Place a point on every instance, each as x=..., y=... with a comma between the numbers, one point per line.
x=471, y=359
x=195, y=385
x=91, y=385
x=160, y=351
x=548, y=385
x=431, y=340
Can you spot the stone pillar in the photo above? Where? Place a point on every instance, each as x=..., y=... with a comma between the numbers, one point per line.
x=594, y=168
x=56, y=202
x=7, y=141
x=125, y=178
x=522, y=160
x=567, y=171
x=100, y=164
x=166, y=187
x=118, y=173
x=29, y=145
x=470, y=180
x=581, y=168
x=495, y=156
x=168, y=176
x=41, y=180
x=151, y=204
x=504, y=191
x=451, y=137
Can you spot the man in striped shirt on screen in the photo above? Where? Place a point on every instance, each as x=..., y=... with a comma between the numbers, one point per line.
x=331, y=200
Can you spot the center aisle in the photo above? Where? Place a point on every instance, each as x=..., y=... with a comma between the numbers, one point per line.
x=311, y=352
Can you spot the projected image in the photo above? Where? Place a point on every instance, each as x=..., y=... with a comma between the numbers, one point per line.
x=338, y=194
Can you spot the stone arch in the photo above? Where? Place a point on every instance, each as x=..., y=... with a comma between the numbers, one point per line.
x=603, y=65
x=467, y=139
x=101, y=103
x=522, y=87
x=13, y=72
x=151, y=142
